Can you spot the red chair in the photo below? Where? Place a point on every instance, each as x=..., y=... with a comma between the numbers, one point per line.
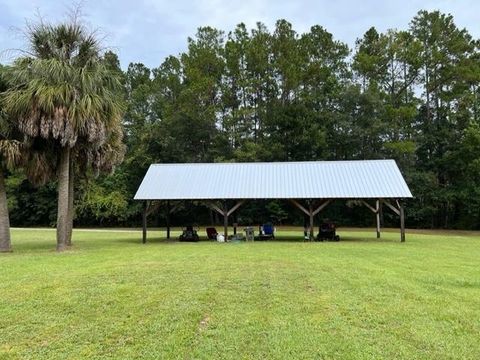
x=212, y=233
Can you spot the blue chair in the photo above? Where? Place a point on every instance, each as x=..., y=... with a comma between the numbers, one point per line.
x=266, y=232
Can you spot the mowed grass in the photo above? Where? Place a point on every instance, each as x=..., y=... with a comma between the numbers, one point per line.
x=361, y=298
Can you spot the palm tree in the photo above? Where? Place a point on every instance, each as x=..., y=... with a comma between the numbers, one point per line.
x=62, y=92
x=10, y=152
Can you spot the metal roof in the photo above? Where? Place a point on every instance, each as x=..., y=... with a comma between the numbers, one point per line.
x=359, y=179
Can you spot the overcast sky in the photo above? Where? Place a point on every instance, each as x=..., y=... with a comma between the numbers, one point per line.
x=149, y=30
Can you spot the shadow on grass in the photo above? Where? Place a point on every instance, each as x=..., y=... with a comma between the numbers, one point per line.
x=279, y=239
x=34, y=246
x=350, y=238
x=40, y=241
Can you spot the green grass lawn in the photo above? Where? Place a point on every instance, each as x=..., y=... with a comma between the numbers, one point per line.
x=361, y=298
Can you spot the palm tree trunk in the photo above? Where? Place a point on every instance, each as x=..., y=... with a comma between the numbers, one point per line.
x=70, y=206
x=5, y=244
x=62, y=214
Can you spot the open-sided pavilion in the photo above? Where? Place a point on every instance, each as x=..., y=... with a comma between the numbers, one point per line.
x=309, y=185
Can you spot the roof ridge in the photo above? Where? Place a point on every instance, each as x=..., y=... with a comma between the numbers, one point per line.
x=272, y=162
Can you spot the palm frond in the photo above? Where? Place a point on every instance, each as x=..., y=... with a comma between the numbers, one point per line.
x=11, y=152
x=65, y=94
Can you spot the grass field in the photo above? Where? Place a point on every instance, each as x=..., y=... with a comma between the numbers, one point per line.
x=361, y=298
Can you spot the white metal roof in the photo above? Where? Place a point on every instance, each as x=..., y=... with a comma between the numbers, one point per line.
x=274, y=180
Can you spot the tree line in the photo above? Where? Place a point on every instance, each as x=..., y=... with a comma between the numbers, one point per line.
x=277, y=95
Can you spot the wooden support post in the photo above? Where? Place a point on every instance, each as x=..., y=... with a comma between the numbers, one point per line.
x=321, y=207
x=225, y=212
x=376, y=211
x=168, y=219
x=400, y=212
x=393, y=208
x=235, y=207
x=225, y=220
x=382, y=222
x=372, y=209
x=310, y=208
x=402, y=223
x=144, y=222
x=213, y=206
x=377, y=215
x=310, y=212
x=235, y=224
x=298, y=205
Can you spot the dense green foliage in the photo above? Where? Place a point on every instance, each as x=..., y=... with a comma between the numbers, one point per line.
x=111, y=297
x=260, y=95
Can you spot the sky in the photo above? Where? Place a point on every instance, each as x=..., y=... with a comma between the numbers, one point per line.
x=147, y=31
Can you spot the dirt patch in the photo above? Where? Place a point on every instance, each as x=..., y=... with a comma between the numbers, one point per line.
x=202, y=326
